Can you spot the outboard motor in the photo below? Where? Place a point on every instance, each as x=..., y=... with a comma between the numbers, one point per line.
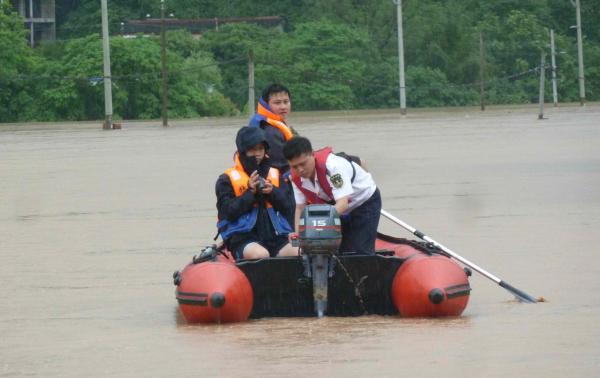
x=319, y=238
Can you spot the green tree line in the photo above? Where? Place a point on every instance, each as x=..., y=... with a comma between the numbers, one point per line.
x=338, y=54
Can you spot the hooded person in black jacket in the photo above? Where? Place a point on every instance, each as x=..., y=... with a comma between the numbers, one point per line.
x=253, y=202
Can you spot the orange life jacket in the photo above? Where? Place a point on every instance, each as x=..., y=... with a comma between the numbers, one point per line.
x=239, y=181
x=265, y=114
x=239, y=178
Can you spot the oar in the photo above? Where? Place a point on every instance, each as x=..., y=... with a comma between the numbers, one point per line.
x=521, y=295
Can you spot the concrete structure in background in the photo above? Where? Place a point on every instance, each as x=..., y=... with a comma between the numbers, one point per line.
x=39, y=17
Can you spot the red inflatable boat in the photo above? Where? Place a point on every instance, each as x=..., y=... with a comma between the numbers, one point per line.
x=405, y=277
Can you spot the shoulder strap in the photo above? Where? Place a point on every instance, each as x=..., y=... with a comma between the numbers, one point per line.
x=321, y=167
x=351, y=160
x=320, y=159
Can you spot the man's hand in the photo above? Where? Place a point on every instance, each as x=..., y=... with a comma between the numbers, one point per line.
x=294, y=239
x=341, y=205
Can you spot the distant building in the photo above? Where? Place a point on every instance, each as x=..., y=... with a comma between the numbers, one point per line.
x=39, y=17
x=195, y=25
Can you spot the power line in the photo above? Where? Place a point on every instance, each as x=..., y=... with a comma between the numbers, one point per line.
x=98, y=78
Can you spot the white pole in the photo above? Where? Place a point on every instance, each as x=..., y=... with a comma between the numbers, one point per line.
x=31, y=31
x=165, y=72
x=580, y=56
x=401, y=57
x=107, y=81
x=554, y=94
x=481, y=73
x=251, y=108
x=542, y=76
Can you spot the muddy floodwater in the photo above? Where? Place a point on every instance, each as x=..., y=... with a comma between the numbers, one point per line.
x=93, y=223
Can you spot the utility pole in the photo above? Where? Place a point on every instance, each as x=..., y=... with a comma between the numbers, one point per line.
x=580, y=55
x=31, y=31
x=165, y=78
x=542, y=76
x=108, y=109
x=401, y=57
x=554, y=94
x=481, y=73
x=251, y=82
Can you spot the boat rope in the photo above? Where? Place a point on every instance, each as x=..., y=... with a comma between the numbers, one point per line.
x=356, y=286
x=221, y=251
x=209, y=253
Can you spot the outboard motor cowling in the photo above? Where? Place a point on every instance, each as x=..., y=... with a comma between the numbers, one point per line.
x=320, y=235
x=320, y=230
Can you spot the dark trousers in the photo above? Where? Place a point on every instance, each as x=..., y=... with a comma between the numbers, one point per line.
x=359, y=228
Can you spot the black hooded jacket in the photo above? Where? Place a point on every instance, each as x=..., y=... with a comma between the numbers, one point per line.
x=231, y=207
x=277, y=141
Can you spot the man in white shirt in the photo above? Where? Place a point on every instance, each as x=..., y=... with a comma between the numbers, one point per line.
x=323, y=177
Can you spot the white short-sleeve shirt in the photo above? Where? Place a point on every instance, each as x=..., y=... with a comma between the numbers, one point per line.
x=339, y=178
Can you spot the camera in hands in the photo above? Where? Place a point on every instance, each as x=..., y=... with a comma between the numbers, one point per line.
x=261, y=184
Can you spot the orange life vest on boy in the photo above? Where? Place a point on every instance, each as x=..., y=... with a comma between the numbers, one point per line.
x=239, y=181
x=263, y=113
x=239, y=178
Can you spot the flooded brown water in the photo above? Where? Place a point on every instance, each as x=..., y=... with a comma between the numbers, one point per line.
x=93, y=223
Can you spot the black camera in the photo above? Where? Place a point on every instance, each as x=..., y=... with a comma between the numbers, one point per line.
x=261, y=184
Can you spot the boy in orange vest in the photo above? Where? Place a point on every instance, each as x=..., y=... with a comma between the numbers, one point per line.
x=272, y=111
x=252, y=201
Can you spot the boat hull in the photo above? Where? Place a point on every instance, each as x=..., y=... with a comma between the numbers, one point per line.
x=405, y=277
x=429, y=287
x=429, y=283
x=214, y=292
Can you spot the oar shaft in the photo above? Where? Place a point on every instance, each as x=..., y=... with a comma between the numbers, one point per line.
x=516, y=292
x=441, y=246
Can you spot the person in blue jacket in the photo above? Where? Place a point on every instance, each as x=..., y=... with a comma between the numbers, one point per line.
x=253, y=202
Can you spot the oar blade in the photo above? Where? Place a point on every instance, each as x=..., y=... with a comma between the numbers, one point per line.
x=521, y=295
